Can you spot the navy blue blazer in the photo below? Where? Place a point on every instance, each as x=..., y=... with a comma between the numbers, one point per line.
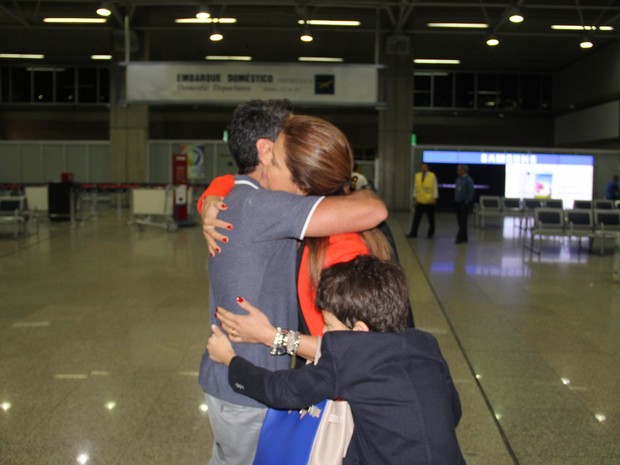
x=404, y=404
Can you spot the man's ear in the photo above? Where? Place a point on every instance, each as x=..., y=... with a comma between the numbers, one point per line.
x=360, y=326
x=264, y=147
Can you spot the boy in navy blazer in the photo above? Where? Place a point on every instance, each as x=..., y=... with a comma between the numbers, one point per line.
x=404, y=403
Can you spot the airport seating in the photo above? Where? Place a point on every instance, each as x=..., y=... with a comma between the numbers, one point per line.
x=14, y=211
x=602, y=204
x=582, y=204
x=488, y=206
x=547, y=222
x=554, y=203
x=606, y=226
x=579, y=223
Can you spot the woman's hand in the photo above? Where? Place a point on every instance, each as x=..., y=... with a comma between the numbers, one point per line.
x=251, y=327
x=219, y=347
x=211, y=206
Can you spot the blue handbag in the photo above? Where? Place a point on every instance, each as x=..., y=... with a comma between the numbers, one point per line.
x=318, y=435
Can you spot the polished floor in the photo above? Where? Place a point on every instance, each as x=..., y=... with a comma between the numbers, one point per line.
x=102, y=325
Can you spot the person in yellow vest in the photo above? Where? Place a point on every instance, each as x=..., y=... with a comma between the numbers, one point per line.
x=425, y=194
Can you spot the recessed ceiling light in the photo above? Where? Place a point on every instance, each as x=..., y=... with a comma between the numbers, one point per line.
x=586, y=43
x=321, y=59
x=435, y=61
x=329, y=22
x=228, y=58
x=76, y=20
x=104, y=10
x=492, y=41
x=460, y=25
x=306, y=37
x=516, y=17
x=101, y=57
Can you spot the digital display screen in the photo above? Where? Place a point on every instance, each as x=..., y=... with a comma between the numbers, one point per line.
x=526, y=175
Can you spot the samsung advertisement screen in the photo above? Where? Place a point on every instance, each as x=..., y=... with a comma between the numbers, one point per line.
x=527, y=175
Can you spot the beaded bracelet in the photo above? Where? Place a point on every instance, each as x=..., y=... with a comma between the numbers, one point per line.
x=280, y=342
x=285, y=342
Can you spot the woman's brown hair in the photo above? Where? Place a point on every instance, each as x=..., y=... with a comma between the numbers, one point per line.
x=320, y=160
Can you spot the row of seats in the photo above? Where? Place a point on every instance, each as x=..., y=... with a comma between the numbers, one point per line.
x=496, y=206
x=598, y=224
x=14, y=211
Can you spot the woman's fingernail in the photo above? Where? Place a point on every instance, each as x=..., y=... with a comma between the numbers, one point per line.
x=229, y=227
x=224, y=206
x=217, y=250
x=212, y=254
x=224, y=240
x=240, y=299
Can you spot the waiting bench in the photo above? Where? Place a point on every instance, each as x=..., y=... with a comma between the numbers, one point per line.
x=13, y=210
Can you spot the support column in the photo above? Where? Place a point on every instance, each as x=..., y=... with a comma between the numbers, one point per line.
x=396, y=124
x=129, y=135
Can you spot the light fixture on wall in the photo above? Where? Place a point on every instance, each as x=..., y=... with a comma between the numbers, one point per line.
x=516, y=16
x=492, y=41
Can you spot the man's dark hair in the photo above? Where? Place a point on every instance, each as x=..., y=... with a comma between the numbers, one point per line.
x=365, y=289
x=256, y=119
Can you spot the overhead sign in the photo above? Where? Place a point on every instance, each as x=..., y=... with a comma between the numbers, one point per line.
x=154, y=82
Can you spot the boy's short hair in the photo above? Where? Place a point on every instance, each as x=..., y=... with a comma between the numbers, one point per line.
x=365, y=289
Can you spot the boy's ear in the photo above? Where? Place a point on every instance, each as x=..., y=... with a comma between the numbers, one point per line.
x=360, y=326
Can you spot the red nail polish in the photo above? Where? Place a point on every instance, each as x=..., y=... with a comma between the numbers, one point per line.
x=217, y=250
x=224, y=239
x=211, y=254
x=240, y=299
x=224, y=206
x=229, y=227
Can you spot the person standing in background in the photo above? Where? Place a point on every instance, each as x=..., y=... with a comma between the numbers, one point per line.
x=463, y=198
x=612, y=191
x=425, y=194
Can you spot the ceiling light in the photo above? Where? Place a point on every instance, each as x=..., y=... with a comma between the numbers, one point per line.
x=306, y=36
x=586, y=43
x=203, y=12
x=329, y=22
x=435, y=61
x=216, y=36
x=460, y=25
x=101, y=57
x=104, y=10
x=516, y=17
x=28, y=56
x=76, y=20
x=492, y=41
x=205, y=21
x=321, y=59
x=228, y=58
x=575, y=27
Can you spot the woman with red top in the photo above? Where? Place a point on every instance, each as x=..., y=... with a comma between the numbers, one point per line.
x=310, y=157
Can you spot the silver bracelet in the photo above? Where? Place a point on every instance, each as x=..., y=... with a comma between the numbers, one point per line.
x=280, y=342
x=292, y=344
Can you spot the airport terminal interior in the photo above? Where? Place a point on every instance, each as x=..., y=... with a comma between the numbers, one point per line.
x=104, y=298
x=103, y=324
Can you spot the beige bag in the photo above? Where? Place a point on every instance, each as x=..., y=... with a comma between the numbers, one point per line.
x=335, y=430
x=334, y=434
